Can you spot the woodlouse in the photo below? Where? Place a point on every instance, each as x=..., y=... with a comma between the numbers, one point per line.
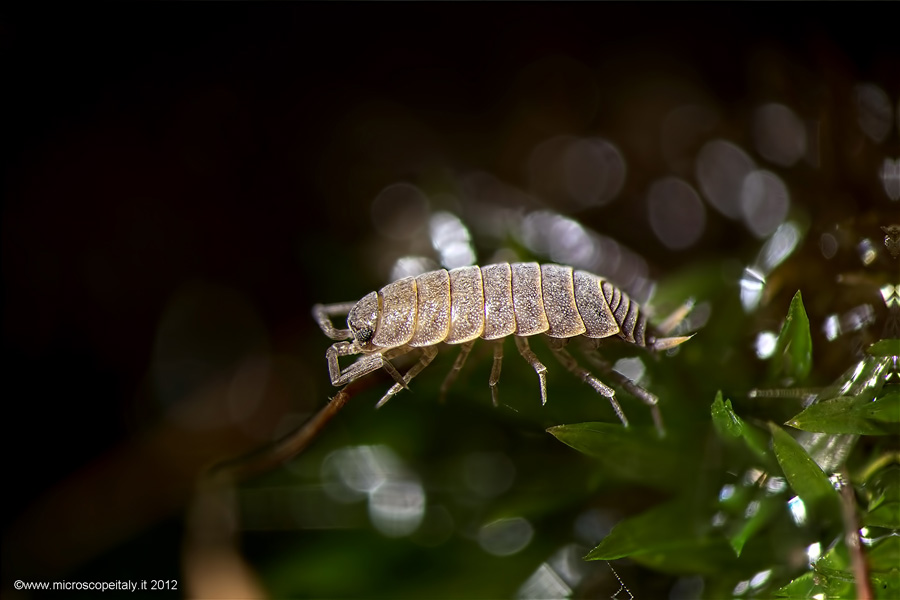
x=491, y=302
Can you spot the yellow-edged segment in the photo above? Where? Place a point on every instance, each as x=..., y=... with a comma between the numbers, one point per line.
x=398, y=314
x=499, y=314
x=466, y=305
x=433, y=308
x=528, y=301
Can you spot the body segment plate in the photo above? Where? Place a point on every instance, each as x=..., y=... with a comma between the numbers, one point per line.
x=598, y=319
x=527, y=299
x=626, y=317
x=433, y=308
x=466, y=305
x=398, y=314
x=559, y=302
x=630, y=320
x=499, y=315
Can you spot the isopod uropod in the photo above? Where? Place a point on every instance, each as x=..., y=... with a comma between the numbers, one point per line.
x=491, y=303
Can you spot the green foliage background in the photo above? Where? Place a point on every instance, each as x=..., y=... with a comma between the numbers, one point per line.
x=238, y=153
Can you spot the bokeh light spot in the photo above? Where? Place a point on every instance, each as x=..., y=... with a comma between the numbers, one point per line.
x=780, y=136
x=866, y=250
x=594, y=171
x=412, y=266
x=349, y=474
x=753, y=282
x=828, y=244
x=677, y=216
x=764, y=202
x=760, y=578
x=766, y=342
x=505, y=537
x=400, y=211
x=632, y=367
x=397, y=507
x=890, y=178
x=574, y=173
x=722, y=168
x=798, y=510
x=874, y=111
x=545, y=582
x=561, y=238
x=778, y=247
x=451, y=239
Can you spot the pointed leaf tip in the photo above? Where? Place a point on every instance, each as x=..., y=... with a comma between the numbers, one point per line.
x=725, y=420
x=793, y=350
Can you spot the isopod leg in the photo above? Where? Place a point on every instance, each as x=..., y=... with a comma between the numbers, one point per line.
x=569, y=362
x=495, y=370
x=464, y=350
x=632, y=388
x=428, y=354
x=539, y=368
x=322, y=314
x=674, y=320
x=661, y=344
x=363, y=365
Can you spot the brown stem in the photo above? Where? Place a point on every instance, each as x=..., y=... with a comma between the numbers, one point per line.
x=289, y=446
x=854, y=544
x=211, y=559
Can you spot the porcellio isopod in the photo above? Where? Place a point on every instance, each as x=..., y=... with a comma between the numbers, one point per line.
x=491, y=302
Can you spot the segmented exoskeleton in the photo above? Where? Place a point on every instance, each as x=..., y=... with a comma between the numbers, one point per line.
x=491, y=303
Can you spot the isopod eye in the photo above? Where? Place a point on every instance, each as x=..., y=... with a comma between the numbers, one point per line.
x=363, y=319
x=363, y=336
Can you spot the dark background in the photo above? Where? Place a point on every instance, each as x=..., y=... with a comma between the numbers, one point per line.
x=151, y=147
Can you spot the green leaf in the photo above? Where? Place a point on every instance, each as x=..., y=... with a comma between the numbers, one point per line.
x=811, y=583
x=799, y=587
x=725, y=420
x=668, y=538
x=884, y=348
x=629, y=453
x=697, y=556
x=883, y=494
x=852, y=414
x=828, y=576
x=657, y=529
x=793, y=350
x=729, y=424
x=884, y=559
x=832, y=576
x=802, y=472
x=768, y=509
x=887, y=515
x=886, y=409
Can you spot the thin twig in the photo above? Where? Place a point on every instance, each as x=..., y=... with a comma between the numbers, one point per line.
x=289, y=446
x=213, y=515
x=851, y=539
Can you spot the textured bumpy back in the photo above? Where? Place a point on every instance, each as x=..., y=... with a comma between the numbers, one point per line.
x=596, y=315
x=499, y=316
x=558, y=287
x=432, y=308
x=496, y=301
x=414, y=314
x=466, y=305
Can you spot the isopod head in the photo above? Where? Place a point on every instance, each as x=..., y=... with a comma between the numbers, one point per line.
x=363, y=319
